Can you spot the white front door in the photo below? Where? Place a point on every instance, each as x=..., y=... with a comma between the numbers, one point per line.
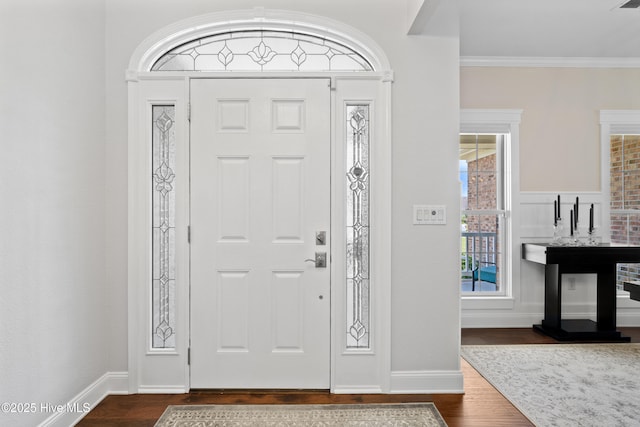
x=260, y=193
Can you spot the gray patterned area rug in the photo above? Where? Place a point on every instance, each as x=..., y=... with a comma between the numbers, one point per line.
x=409, y=415
x=565, y=384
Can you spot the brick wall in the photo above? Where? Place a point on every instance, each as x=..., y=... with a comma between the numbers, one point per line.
x=482, y=194
x=482, y=191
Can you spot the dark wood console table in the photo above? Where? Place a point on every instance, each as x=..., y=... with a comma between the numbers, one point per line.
x=601, y=260
x=633, y=288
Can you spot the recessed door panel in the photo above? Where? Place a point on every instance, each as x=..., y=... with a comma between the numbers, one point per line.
x=288, y=199
x=287, y=308
x=233, y=202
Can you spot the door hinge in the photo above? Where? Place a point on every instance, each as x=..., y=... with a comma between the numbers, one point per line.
x=188, y=234
x=189, y=356
x=188, y=111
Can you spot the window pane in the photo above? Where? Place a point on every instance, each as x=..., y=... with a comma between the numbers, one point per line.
x=617, y=190
x=480, y=252
x=483, y=190
x=619, y=229
x=481, y=178
x=357, y=221
x=479, y=171
x=163, y=226
x=262, y=50
x=616, y=153
x=632, y=189
x=631, y=152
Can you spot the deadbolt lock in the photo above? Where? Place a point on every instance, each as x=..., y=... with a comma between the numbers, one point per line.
x=321, y=238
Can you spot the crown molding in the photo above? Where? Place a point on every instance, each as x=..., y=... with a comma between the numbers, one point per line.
x=548, y=62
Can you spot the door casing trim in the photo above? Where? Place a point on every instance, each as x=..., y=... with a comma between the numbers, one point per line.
x=367, y=371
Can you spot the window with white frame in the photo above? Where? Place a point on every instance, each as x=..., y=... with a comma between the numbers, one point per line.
x=625, y=198
x=483, y=212
x=489, y=181
x=620, y=145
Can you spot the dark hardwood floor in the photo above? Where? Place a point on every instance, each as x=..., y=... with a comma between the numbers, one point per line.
x=480, y=406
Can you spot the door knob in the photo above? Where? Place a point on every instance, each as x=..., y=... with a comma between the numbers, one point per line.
x=320, y=260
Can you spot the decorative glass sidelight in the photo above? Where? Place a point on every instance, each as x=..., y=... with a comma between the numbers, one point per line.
x=163, y=226
x=259, y=50
x=358, y=292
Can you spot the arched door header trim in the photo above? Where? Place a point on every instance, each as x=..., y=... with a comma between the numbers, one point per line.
x=171, y=36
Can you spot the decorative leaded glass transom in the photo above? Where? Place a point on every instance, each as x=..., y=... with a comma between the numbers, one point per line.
x=357, y=219
x=262, y=51
x=163, y=226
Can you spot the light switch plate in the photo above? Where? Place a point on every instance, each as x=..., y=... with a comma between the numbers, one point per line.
x=429, y=214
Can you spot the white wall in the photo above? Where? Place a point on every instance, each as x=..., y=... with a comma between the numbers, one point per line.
x=54, y=328
x=63, y=221
x=425, y=305
x=559, y=153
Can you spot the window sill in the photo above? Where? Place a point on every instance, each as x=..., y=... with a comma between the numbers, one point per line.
x=487, y=303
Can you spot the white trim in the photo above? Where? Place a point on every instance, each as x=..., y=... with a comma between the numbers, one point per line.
x=92, y=395
x=135, y=274
x=357, y=389
x=351, y=370
x=501, y=121
x=620, y=117
x=163, y=389
x=147, y=365
x=489, y=120
x=345, y=75
x=548, y=62
x=165, y=39
x=487, y=302
x=628, y=314
x=503, y=319
x=427, y=382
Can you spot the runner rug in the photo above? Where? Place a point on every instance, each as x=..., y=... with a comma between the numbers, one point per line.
x=411, y=414
x=565, y=384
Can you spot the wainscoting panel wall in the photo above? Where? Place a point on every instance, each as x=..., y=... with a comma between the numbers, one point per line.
x=579, y=290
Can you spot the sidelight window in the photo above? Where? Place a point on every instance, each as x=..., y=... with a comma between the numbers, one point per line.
x=163, y=226
x=357, y=210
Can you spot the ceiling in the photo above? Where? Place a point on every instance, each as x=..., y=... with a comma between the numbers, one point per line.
x=549, y=29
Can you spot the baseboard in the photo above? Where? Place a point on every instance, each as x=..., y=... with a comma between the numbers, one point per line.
x=499, y=319
x=357, y=389
x=76, y=408
x=427, y=382
x=162, y=389
x=628, y=319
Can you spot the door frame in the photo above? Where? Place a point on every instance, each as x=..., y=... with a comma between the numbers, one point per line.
x=167, y=370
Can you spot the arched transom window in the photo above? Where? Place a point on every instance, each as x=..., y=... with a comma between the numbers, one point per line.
x=260, y=50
